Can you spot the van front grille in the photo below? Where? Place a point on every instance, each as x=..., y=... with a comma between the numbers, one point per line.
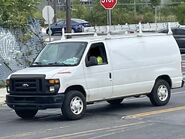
x=26, y=84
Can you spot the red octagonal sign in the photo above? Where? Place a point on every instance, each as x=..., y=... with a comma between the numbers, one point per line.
x=108, y=4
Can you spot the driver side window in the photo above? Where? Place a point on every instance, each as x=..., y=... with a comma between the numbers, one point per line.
x=97, y=51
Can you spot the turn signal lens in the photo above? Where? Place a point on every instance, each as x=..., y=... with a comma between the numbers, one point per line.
x=54, y=81
x=8, y=89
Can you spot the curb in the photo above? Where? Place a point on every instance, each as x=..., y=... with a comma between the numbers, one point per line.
x=2, y=96
x=2, y=101
x=2, y=104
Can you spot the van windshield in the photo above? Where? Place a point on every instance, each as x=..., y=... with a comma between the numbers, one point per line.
x=61, y=54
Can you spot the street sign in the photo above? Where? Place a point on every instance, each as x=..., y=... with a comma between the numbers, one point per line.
x=108, y=4
x=48, y=14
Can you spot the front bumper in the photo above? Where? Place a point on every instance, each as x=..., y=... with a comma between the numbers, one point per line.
x=34, y=101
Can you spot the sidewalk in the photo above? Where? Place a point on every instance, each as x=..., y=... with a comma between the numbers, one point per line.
x=2, y=96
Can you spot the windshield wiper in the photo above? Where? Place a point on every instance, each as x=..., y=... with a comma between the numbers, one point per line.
x=53, y=63
x=37, y=63
x=58, y=64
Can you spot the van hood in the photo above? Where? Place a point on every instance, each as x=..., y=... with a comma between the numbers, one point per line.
x=48, y=71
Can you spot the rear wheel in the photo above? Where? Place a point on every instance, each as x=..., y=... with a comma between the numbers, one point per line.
x=161, y=93
x=115, y=101
x=26, y=114
x=74, y=105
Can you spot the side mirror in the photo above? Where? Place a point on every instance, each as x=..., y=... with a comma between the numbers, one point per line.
x=92, y=61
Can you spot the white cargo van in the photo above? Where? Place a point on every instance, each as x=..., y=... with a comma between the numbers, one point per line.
x=67, y=74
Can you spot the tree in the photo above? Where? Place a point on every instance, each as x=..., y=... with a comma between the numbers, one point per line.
x=180, y=13
x=155, y=2
x=79, y=10
x=15, y=13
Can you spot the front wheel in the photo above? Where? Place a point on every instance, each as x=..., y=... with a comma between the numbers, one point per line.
x=26, y=113
x=160, y=94
x=74, y=105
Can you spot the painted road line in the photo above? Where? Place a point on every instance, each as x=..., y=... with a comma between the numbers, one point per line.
x=94, y=130
x=107, y=133
x=116, y=131
x=176, y=93
x=150, y=113
x=31, y=133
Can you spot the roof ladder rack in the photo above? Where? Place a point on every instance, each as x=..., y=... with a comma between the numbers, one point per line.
x=76, y=34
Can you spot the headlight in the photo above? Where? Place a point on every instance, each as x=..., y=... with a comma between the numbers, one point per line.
x=8, y=88
x=53, y=85
x=8, y=85
x=52, y=89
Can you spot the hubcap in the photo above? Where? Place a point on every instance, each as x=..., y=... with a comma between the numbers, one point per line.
x=162, y=92
x=76, y=105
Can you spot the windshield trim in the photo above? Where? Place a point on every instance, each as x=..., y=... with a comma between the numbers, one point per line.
x=60, y=65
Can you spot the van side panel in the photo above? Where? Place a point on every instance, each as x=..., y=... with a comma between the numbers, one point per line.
x=71, y=77
x=170, y=61
x=137, y=62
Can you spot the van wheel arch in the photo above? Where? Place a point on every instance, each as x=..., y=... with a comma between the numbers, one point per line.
x=77, y=88
x=160, y=94
x=162, y=77
x=166, y=78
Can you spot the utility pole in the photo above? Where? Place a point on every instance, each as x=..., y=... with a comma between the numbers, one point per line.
x=49, y=2
x=156, y=14
x=68, y=17
x=135, y=8
x=55, y=10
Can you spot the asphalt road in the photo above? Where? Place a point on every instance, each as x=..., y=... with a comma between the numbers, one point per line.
x=135, y=118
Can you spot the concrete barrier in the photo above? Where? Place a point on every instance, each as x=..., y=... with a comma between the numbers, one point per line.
x=131, y=27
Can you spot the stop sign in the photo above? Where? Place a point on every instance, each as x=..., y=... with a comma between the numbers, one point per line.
x=108, y=4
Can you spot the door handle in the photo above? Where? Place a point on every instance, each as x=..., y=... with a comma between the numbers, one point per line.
x=110, y=75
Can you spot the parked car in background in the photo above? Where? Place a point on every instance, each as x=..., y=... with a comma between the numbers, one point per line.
x=77, y=25
x=179, y=35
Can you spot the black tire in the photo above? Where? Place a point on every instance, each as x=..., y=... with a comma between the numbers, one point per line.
x=72, y=110
x=115, y=101
x=52, y=32
x=26, y=113
x=156, y=96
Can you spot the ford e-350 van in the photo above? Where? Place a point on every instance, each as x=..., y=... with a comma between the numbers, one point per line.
x=67, y=75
